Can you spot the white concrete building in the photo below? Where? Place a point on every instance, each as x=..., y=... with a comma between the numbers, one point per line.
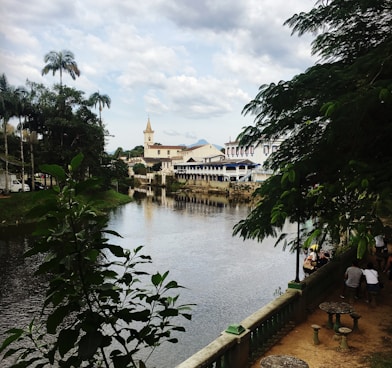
x=206, y=162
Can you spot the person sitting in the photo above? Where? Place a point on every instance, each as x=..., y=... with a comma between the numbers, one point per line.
x=352, y=279
x=371, y=276
x=323, y=259
x=310, y=262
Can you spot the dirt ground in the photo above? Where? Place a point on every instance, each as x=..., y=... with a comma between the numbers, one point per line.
x=374, y=334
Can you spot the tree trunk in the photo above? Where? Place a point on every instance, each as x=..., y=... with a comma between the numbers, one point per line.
x=22, y=156
x=32, y=137
x=7, y=188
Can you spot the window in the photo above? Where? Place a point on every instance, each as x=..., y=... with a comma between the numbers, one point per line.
x=159, y=152
x=274, y=148
x=266, y=149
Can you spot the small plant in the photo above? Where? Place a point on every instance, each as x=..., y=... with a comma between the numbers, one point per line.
x=278, y=292
x=101, y=308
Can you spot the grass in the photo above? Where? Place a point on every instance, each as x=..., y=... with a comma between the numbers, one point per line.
x=380, y=359
x=15, y=207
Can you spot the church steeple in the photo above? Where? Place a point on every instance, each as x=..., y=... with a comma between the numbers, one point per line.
x=148, y=137
x=148, y=127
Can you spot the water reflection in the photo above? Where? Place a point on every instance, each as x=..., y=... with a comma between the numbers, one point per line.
x=191, y=237
x=21, y=293
x=227, y=277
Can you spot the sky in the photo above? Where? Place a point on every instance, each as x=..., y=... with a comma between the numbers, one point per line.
x=190, y=66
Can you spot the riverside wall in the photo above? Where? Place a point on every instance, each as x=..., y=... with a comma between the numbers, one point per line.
x=233, y=190
x=264, y=328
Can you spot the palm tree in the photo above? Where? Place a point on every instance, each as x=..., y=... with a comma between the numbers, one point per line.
x=101, y=100
x=62, y=60
x=7, y=99
x=20, y=109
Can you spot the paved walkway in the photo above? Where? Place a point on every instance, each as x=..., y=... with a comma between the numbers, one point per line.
x=374, y=335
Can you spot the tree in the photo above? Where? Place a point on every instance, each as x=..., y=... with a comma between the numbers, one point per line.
x=59, y=61
x=21, y=112
x=101, y=100
x=69, y=127
x=101, y=307
x=8, y=102
x=139, y=169
x=337, y=120
x=33, y=125
x=137, y=151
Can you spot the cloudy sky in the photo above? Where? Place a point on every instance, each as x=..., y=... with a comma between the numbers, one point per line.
x=188, y=65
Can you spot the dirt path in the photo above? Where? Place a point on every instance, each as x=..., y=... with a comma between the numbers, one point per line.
x=374, y=335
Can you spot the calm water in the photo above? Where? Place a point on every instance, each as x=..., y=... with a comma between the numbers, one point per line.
x=226, y=277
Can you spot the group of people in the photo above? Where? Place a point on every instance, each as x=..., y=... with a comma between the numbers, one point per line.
x=315, y=259
x=354, y=276
x=383, y=254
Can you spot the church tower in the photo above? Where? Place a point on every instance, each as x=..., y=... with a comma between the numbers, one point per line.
x=148, y=138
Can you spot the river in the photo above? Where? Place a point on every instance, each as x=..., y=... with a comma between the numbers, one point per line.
x=227, y=278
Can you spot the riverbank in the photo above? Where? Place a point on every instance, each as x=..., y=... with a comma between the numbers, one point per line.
x=15, y=207
x=233, y=191
x=369, y=346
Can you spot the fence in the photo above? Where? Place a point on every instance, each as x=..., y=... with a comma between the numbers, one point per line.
x=258, y=332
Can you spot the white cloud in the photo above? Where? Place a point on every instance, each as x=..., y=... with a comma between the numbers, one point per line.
x=192, y=65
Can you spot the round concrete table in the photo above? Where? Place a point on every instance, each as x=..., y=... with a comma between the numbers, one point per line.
x=336, y=308
x=281, y=361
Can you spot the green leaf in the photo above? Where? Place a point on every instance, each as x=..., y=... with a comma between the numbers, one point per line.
x=92, y=255
x=141, y=364
x=54, y=170
x=384, y=94
x=156, y=279
x=172, y=285
x=291, y=176
x=169, y=312
x=66, y=340
x=122, y=361
x=116, y=250
x=309, y=241
x=89, y=344
x=76, y=161
x=11, y=352
x=16, y=334
x=56, y=318
x=362, y=246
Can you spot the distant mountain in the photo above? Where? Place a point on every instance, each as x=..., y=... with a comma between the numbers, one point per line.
x=201, y=142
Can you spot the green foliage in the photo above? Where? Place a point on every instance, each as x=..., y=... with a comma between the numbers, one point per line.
x=137, y=151
x=157, y=166
x=101, y=307
x=139, y=169
x=380, y=359
x=333, y=166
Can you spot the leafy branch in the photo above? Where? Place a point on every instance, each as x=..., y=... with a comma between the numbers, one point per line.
x=101, y=307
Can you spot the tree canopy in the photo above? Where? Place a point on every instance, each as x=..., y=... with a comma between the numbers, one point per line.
x=59, y=61
x=54, y=123
x=334, y=163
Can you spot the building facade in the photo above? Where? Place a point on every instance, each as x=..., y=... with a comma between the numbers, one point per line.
x=206, y=162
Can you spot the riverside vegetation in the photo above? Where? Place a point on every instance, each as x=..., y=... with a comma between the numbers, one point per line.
x=101, y=307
